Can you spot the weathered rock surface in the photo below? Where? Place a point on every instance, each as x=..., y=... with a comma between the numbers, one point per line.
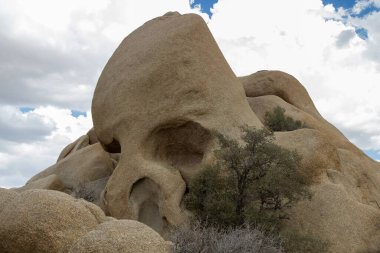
x=280, y=84
x=50, y=221
x=125, y=236
x=83, y=173
x=5, y=197
x=44, y=221
x=318, y=155
x=162, y=92
x=262, y=104
x=345, y=208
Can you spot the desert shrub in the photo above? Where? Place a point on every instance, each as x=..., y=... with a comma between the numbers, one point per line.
x=211, y=199
x=199, y=238
x=84, y=192
x=252, y=183
x=276, y=120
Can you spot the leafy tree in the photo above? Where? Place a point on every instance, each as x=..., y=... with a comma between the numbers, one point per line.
x=252, y=182
x=211, y=198
x=277, y=121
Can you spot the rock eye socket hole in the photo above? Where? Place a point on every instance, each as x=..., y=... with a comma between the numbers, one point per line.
x=113, y=147
x=145, y=198
x=181, y=145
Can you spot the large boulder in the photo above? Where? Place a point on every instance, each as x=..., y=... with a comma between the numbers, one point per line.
x=83, y=174
x=345, y=207
x=6, y=196
x=335, y=216
x=317, y=154
x=266, y=103
x=44, y=221
x=281, y=84
x=125, y=236
x=161, y=94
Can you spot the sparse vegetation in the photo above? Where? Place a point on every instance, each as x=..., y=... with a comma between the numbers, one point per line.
x=199, y=238
x=253, y=184
x=276, y=120
x=85, y=193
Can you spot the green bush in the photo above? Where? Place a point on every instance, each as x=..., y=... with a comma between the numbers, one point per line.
x=251, y=183
x=211, y=199
x=277, y=121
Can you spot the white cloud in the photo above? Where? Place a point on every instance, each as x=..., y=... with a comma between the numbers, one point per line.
x=371, y=23
x=22, y=157
x=340, y=70
x=56, y=50
x=20, y=127
x=362, y=5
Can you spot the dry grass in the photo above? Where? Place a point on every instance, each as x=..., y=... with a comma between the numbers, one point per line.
x=201, y=239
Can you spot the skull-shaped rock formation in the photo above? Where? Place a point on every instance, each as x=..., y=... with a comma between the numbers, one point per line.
x=166, y=87
x=160, y=96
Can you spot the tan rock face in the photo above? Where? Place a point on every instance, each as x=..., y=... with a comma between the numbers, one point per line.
x=318, y=155
x=164, y=89
x=345, y=208
x=83, y=173
x=125, y=236
x=5, y=197
x=280, y=84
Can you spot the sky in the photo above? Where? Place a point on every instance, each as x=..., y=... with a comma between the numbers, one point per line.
x=53, y=51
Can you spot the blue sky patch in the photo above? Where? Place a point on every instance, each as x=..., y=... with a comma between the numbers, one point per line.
x=76, y=114
x=205, y=5
x=349, y=4
x=373, y=154
x=346, y=4
x=26, y=109
x=362, y=33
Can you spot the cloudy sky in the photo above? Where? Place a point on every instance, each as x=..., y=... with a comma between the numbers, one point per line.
x=52, y=52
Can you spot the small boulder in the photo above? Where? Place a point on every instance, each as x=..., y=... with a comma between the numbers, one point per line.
x=127, y=236
x=44, y=221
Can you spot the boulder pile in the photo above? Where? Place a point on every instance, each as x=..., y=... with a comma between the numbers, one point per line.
x=163, y=92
